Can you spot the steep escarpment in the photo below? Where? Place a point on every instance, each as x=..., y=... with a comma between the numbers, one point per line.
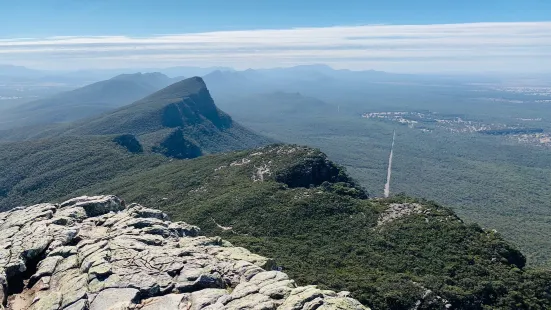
x=184, y=103
x=172, y=121
x=88, y=101
x=97, y=253
x=129, y=142
x=315, y=170
x=195, y=107
x=175, y=145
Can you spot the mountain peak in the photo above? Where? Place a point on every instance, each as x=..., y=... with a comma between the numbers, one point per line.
x=181, y=89
x=140, y=75
x=192, y=83
x=181, y=121
x=186, y=103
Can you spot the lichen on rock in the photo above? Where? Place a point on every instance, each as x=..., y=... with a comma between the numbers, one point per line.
x=97, y=253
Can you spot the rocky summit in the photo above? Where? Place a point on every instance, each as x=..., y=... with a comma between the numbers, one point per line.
x=98, y=253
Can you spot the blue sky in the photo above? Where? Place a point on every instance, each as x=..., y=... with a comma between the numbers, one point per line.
x=240, y=33
x=25, y=18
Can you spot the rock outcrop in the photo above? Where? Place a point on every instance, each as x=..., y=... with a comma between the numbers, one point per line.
x=96, y=253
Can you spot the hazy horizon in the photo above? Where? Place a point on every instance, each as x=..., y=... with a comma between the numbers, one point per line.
x=209, y=69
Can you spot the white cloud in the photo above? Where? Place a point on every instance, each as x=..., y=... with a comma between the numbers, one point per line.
x=469, y=47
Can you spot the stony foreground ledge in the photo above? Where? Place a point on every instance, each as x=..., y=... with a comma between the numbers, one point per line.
x=96, y=253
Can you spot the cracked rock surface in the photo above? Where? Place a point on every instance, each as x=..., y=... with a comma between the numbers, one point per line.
x=97, y=253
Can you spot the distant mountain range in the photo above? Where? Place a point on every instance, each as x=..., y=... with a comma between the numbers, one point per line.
x=19, y=71
x=100, y=97
x=237, y=91
x=100, y=74
x=228, y=85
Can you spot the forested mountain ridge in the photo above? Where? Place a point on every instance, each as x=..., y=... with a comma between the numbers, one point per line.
x=293, y=204
x=396, y=253
x=287, y=202
x=185, y=103
x=86, y=101
x=180, y=121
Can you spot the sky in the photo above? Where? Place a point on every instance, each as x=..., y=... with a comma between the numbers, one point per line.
x=396, y=36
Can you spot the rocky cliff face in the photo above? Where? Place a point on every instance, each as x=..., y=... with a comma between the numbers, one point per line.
x=97, y=253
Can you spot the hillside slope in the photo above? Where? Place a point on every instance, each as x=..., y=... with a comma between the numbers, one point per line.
x=179, y=121
x=185, y=103
x=85, y=102
x=293, y=204
x=398, y=253
x=43, y=170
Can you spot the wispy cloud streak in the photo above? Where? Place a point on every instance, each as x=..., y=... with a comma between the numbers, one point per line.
x=354, y=47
